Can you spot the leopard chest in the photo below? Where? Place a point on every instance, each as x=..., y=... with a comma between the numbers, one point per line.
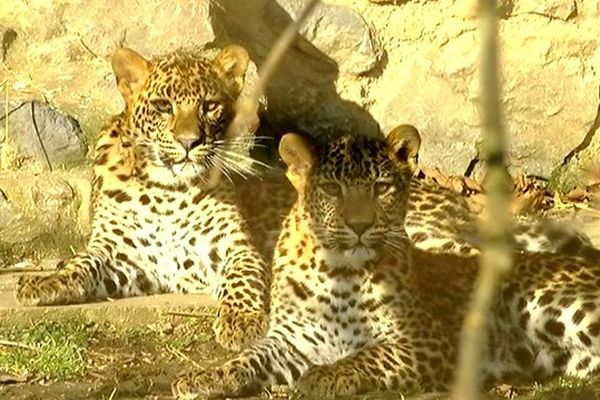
x=329, y=318
x=169, y=234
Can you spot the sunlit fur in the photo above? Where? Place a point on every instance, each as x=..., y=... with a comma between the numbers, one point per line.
x=344, y=164
x=349, y=316
x=156, y=227
x=195, y=93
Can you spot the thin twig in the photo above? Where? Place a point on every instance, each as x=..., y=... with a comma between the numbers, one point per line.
x=12, y=270
x=9, y=343
x=496, y=255
x=178, y=354
x=112, y=394
x=190, y=315
x=246, y=117
x=7, y=111
x=587, y=139
x=39, y=136
x=85, y=46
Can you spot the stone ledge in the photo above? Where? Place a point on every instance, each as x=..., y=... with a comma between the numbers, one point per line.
x=131, y=312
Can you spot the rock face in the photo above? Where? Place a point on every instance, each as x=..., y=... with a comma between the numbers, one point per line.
x=43, y=215
x=357, y=66
x=7, y=37
x=338, y=32
x=40, y=135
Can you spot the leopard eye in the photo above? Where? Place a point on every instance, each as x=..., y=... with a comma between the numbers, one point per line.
x=331, y=189
x=163, y=106
x=382, y=188
x=210, y=106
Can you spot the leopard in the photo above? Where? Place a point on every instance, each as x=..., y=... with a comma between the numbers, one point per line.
x=160, y=224
x=437, y=219
x=440, y=219
x=357, y=307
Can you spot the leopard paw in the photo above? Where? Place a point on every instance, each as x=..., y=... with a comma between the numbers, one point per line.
x=208, y=383
x=236, y=330
x=329, y=382
x=35, y=290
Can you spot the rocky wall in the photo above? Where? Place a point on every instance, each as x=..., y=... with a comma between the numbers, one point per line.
x=358, y=66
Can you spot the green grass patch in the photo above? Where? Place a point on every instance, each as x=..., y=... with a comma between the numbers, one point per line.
x=55, y=349
x=564, y=388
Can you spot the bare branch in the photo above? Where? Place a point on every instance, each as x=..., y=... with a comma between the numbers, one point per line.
x=246, y=117
x=496, y=257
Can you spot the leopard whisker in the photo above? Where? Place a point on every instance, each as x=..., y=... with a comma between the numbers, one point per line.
x=225, y=164
x=242, y=157
x=211, y=162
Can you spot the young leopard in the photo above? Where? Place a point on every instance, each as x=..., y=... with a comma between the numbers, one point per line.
x=437, y=219
x=157, y=227
x=440, y=220
x=356, y=307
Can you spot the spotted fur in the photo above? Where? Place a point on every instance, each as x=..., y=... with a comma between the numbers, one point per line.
x=159, y=224
x=356, y=307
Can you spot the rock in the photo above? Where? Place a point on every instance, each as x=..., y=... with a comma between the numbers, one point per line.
x=302, y=93
x=357, y=67
x=448, y=127
x=40, y=214
x=40, y=134
x=588, y=8
x=561, y=9
x=338, y=32
x=7, y=37
x=63, y=54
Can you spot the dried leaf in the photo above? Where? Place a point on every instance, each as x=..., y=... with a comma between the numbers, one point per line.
x=505, y=390
x=579, y=194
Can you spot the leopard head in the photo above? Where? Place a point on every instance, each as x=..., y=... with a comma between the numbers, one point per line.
x=179, y=106
x=354, y=190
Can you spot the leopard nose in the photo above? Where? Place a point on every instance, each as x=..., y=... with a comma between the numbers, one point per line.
x=359, y=227
x=189, y=143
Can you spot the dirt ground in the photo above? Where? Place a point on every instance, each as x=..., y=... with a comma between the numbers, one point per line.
x=133, y=348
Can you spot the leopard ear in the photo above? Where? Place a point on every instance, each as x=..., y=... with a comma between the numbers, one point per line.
x=232, y=63
x=404, y=142
x=131, y=71
x=298, y=154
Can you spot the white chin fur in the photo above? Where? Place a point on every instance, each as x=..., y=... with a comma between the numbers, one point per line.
x=188, y=170
x=355, y=257
x=178, y=173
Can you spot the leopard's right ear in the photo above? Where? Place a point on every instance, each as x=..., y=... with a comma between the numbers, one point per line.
x=404, y=142
x=298, y=154
x=131, y=70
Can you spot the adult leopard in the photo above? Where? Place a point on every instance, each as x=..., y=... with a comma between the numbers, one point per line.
x=157, y=225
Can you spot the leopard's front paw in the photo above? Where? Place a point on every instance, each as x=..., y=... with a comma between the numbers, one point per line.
x=329, y=382
x=35, y=290
x=236, y=330
x=208, y=383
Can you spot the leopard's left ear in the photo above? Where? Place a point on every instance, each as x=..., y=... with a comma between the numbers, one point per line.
x=232, y=63
x=404, y=142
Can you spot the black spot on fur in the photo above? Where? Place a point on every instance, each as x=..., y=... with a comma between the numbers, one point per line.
x=554, y=327
x=118, y=195
x=111, y=288
x=578, y=316
x=300, y=289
